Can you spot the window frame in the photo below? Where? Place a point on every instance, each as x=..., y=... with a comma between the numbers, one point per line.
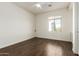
x=53, y=18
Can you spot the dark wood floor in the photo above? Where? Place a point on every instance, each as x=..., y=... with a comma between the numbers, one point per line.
x=39, y=47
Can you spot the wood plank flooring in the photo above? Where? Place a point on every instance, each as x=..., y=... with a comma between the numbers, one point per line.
x=39, y=47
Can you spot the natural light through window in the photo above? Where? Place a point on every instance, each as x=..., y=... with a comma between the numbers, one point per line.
x=55, y=23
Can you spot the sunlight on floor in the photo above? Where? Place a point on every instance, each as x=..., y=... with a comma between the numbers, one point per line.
x=53, y=50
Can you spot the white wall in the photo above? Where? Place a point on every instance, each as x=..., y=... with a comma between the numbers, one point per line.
x=42, y=25
x=16, y=24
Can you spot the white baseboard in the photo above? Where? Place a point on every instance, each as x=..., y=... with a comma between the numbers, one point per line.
x=53, y=39
x=15, y=42
x=56, y=36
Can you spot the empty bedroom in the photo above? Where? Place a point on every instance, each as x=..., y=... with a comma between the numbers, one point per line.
x=36, y=29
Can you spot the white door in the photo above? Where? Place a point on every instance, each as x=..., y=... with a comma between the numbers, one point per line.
x=75, y=28
x=78, y=28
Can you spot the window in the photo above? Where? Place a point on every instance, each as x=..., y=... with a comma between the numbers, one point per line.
x=55, y=23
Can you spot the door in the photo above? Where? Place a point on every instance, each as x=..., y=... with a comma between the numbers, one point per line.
x=75, y=28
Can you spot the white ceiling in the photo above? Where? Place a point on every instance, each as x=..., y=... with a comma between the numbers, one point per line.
x=45, y=8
